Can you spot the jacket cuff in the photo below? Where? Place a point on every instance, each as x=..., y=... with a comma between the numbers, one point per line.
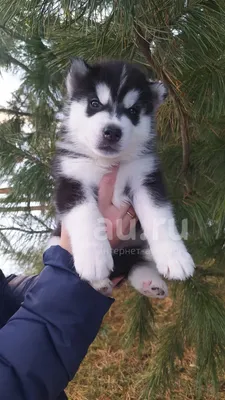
x=58, y=257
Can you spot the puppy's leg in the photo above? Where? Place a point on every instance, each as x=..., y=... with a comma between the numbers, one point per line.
x=91, y=250
x=146, y=280
x=156, y=217
x=85, y=225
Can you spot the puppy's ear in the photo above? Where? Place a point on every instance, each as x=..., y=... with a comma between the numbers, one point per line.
x=78, y=69
x=159, y=92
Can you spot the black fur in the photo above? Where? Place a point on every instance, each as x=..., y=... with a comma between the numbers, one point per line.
x=124, y=259
x=127, y=191
x=70, y=153
x=95, y=192
x=69, y=193
x=110, y=73
x=155, y=185
x=57, y=230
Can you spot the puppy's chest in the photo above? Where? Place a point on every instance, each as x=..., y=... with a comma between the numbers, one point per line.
x=130, y=175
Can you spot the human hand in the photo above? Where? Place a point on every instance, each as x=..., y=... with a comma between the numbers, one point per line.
x=114, y=217
x=119, y=222
x=124, y=217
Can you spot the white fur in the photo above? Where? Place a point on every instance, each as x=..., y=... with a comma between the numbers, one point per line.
x=146, y=280
x=171, y=257
x=90, y=173
x=53, y=241
x=159, y=91
x=78, y=68
x=132, y=174
x=103, y=93
x=85, y=133
x=92, y=255
x=130, y=98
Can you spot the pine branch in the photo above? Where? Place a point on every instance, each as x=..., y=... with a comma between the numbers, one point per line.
x=18, y=63
x=40, y=221
x=144, y=46
x=5, y=190
x=13, y=34
x=54, y=100
x=24, y=209
x=140, y=322
x=15, y=112
x=162, y=369
x=30, y=232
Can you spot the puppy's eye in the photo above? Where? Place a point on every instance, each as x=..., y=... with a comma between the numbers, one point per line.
x=95, y=103
x=133, y=110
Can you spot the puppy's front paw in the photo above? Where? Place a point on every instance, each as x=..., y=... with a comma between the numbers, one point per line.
x=173, y=260
x=93, y=261
x=104, y=286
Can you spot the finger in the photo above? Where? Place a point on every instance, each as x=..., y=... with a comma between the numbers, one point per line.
x=128, y=224
x=106, y=188
x=65, y=240
x=126, y=208
x=127, y=221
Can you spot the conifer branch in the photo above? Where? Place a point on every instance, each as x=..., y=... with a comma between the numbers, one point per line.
x=17, y=63
x=13, y=34
x=54, y=100
x=144, y=46
x=5, y=190
x=28, y=231
x=23, y=209
x=40, y=221
x=15, y=112
x=182, y=117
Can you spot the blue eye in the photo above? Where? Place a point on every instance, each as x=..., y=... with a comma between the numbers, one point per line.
x=133, y=110
x=95, y=103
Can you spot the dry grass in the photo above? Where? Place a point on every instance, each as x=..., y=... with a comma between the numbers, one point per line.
x=110, y=372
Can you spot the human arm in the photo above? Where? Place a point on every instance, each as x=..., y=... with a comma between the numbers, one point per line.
x=43, y=344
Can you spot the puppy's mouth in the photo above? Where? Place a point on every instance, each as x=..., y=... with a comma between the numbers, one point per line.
x=109, y=148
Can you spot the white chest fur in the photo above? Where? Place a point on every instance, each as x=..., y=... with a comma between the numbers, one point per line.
x=90, y=172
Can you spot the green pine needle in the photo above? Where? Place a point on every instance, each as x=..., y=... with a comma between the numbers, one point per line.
x=140, y=322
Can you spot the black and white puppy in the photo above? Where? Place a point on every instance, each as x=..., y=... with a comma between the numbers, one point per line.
x=109, y=119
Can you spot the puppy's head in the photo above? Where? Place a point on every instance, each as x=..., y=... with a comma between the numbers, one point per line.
x=111, y=107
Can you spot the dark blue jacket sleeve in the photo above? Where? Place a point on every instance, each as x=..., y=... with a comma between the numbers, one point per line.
x=43, y=344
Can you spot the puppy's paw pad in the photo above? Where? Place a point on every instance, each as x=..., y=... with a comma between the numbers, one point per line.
x=155, y=289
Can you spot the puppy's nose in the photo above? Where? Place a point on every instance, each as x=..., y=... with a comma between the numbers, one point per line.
x=112, y=133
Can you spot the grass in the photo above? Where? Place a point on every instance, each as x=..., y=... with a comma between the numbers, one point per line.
x=111, y=372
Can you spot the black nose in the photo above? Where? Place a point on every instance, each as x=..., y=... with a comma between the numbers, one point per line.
x=112, y=133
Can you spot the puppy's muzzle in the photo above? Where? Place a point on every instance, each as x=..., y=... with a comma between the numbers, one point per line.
x=111, y=134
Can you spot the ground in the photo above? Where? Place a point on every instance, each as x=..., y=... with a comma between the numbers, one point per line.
x=110, y=372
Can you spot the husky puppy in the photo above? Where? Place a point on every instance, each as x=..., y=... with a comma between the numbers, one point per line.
x=109, y=120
